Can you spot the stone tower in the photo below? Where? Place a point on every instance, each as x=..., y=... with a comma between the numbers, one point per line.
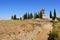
x=43, y=12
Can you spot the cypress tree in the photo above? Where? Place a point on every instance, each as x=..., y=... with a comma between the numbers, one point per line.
x=37, y=16
x=14, y=17
x=31, y=15
x=50, y=14
x=28, y=16
x=54, y=13
x=34, y=15
x=40, y=14
x=25, y=16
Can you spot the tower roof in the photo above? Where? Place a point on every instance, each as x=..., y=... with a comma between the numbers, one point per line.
x=43, y=9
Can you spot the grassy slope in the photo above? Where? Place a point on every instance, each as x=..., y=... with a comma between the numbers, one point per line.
x=38, y=29
x=57, y=28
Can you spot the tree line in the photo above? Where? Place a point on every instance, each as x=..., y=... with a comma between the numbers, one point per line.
x=36, y=15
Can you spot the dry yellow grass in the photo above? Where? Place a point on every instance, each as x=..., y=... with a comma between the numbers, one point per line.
x=57, y=29
x=25, y=29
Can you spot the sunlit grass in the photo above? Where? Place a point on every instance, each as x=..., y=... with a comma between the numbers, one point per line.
x=56, y=28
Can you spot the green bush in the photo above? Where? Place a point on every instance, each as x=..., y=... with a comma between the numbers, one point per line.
x=53, y=35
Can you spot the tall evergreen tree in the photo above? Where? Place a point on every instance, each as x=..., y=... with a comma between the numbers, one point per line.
x=25, y=16
x=12, y=17
x=31, y=15
x=15, y=17
x=54, y=13
x=37, y=16
x=34, y=15
x=28, y=16
x=40, y=14
x=50, y=14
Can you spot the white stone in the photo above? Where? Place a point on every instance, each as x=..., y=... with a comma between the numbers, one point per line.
x=56, y=19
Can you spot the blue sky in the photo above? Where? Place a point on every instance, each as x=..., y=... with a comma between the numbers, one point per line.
x=19, y=7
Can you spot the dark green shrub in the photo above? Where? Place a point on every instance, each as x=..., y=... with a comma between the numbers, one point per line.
x=53, y=35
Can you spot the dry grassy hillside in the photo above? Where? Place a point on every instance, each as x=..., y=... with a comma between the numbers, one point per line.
x=25, y=29
x=57, y=29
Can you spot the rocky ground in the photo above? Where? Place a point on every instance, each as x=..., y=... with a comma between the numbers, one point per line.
x=25, y=29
